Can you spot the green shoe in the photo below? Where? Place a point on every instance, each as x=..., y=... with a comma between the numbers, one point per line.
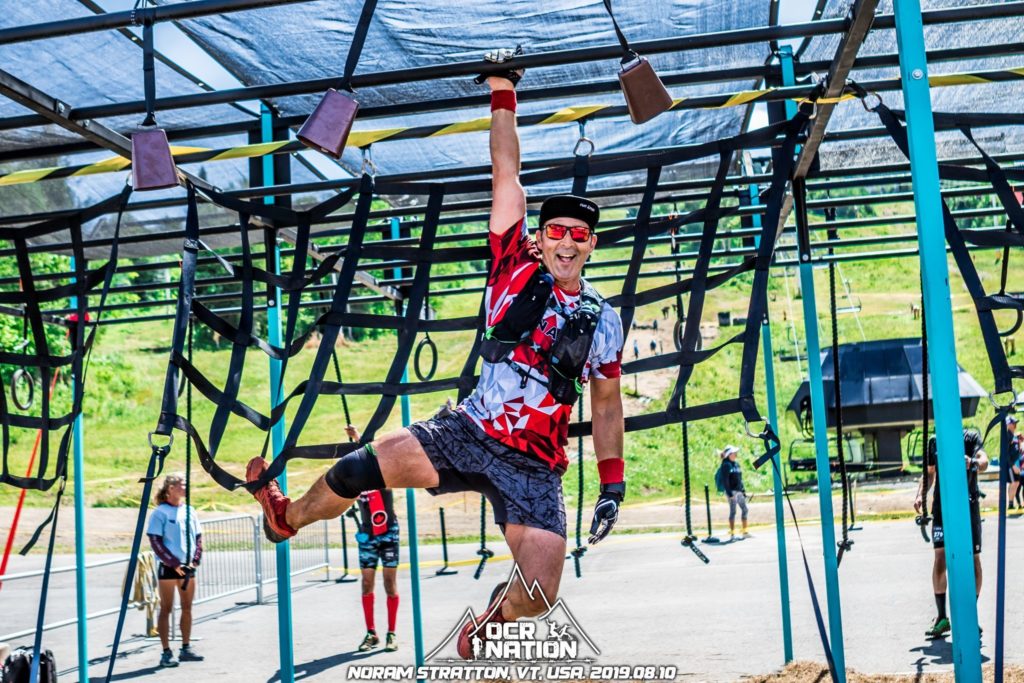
x=369, y=642
x=391, y=643
x=939, y=629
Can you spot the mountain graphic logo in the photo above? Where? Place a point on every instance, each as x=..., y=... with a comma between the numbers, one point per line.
x=561, y=624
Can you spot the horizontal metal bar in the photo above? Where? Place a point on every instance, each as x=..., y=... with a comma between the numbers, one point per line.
x=101, y=22
x=554, y=58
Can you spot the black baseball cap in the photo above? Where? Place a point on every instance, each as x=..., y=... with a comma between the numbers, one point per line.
x=570, y=206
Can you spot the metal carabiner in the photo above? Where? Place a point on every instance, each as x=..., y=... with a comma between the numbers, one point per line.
x=368, y=168
x=998, y=406
x=874, y=108
x=584, y=140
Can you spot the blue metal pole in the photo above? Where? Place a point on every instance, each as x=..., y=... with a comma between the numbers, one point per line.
x=780, y=517
x=941, y=340
x=822, y=462
x=282, y=550
x=410, y=509
x=78, y=437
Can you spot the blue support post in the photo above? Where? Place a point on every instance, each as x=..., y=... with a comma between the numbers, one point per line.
x=282, y=550
x=78, y=453
x=773, y=420
x=941, y=340
x=410, y=507
x=822, y=461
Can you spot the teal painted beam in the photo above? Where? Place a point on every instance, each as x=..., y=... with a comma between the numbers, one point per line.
x=78, y=453
x=410, y=507
x=941, y=341
x=286, y=651
x=822, y=462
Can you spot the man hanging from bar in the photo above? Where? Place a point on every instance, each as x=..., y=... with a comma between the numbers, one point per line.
x=548, y=333
x=975, y=460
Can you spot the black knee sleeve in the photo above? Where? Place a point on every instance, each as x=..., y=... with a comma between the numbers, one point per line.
x=354, y=473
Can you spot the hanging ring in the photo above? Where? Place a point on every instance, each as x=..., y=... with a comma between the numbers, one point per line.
x=23, y=397
x=1016, y=325
x=425, y=343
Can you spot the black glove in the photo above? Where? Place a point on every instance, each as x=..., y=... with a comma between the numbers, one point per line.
x=606, y=512
x=500, y=56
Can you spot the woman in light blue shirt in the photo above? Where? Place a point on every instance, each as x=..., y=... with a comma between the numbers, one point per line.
x=177, y=541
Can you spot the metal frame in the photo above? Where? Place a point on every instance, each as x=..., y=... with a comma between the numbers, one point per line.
x=907, y=20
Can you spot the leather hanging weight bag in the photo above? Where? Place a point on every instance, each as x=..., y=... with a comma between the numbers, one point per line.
x=645, y=94
x=327, y=128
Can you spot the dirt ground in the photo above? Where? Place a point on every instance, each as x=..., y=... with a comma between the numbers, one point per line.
x=812, y=672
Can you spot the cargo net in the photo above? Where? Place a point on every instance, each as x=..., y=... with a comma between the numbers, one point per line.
x=328, y=280
x=44, y=361
x=961, y=240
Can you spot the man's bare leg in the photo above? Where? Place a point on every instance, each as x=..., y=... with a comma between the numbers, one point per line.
x=540, y=555
x=403, y=464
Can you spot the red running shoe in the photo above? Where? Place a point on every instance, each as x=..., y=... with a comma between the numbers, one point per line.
x=469, y=632
x=273, y=502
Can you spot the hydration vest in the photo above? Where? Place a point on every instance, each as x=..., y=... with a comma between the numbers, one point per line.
x=569, y=352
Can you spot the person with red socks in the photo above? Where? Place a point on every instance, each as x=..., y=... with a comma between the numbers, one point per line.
x=378, y=544
x=549, y=335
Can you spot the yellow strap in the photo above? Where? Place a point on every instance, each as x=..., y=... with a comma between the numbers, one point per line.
x=744, y=97
x=29, y=175
x=471, y=126
x=955, y=79
x=106, y=166
x=362, y=138
x=570, y=114
x=246, y=151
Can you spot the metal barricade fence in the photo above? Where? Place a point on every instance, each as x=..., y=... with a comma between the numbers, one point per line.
x=236, y=558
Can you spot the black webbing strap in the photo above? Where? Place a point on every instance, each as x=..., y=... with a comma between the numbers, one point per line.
x=186, y=291
x=695, y=305
x=484, y=552
x=356, y=48
x=148, y=70
x=413, y=307
x=772, y=448
x=690, y=540
x=580, y=173
x=984, y=305
x=924, y=519
x=641, y=235
x=233, y=382
x=37, y=643
x=627, y=54
x=156, y=464
x=580, y=549
x=770, y=230
x=344, y=397
x=188, y=470
x=845, y=543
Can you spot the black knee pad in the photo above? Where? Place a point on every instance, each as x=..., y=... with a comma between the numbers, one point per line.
x=354, y=473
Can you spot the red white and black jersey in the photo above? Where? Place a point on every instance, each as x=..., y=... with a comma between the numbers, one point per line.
x=522, y=414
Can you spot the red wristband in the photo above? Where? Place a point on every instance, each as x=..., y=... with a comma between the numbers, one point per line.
x=503, y=99
x=611, y=470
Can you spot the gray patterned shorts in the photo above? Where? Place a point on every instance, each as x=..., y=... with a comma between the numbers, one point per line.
x=521, y=490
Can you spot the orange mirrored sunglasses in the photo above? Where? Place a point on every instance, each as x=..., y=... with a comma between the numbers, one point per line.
x=578, y=233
